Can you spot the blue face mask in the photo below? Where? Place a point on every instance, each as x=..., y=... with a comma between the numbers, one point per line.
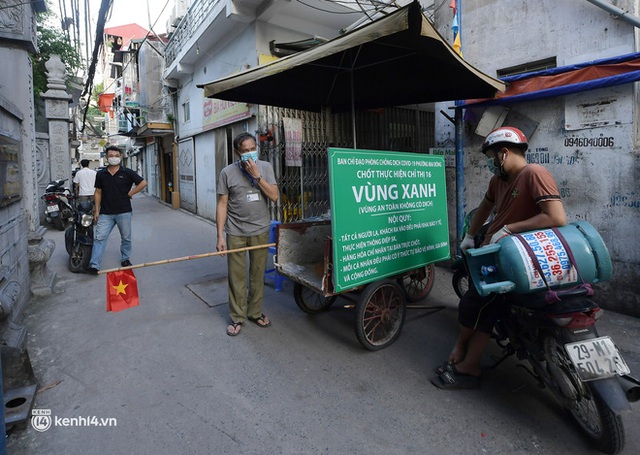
x=253, y=155
x=492, y=166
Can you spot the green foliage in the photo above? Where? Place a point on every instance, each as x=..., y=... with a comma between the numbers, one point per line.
x=97, y=90
x=51, y=41
x=93, y=111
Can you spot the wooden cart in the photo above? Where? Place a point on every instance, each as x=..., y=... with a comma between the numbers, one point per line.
x=304, y=255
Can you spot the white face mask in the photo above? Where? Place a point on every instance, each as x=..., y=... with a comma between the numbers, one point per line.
x=113, y=160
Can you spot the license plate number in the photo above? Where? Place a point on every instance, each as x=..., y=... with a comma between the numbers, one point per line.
x=52, y=208
x=596, y=358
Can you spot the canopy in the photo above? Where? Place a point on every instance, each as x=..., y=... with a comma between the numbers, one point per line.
x=397, y=60
x=565, y=80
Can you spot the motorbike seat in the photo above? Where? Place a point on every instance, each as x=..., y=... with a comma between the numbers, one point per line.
x=572, y=300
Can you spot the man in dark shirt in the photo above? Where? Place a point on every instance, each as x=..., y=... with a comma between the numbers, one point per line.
x=113, y=207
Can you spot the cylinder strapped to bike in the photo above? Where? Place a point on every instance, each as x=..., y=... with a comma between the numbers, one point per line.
x=535, y=261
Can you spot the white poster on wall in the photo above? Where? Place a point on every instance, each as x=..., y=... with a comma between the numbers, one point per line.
x=598, y=108
x=293, y=141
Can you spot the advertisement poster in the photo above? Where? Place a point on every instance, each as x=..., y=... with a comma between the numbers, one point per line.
x=292, y=141
x=388, y=214
x=217, y=113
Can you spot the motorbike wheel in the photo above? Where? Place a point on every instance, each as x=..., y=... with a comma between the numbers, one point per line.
x=58, y=223
x=79, y=258
x=601, y=425
x=460, y=281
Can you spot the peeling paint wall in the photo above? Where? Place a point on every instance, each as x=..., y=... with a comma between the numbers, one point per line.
x=587, y=140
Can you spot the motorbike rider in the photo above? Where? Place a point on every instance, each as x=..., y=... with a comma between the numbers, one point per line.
x=525, y=197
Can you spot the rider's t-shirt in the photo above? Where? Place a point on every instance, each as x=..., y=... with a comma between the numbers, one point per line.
x=518, y=199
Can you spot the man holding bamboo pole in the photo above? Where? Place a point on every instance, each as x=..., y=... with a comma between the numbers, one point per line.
x=245, y=188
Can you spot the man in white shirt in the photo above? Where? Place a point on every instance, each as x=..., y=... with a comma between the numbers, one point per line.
x=84, y=182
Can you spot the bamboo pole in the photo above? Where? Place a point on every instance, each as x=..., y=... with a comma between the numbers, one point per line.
x=188, y=258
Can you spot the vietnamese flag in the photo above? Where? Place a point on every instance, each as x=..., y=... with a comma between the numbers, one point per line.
x=122, y=290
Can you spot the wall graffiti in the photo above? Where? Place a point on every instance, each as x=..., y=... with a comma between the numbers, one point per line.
x=594, y=142
x=630, y=199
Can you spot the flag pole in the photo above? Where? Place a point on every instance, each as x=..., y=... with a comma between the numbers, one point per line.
x=187, y=258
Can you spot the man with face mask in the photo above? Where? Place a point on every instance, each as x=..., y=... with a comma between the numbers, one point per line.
x=112, y=197
x=245, y=188
x=524, y=197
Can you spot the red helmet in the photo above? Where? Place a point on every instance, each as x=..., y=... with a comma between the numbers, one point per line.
x=505, y=135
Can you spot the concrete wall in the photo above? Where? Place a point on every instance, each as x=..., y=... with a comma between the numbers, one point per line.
x=587, y=140
x=237, y=51
x=18, y=219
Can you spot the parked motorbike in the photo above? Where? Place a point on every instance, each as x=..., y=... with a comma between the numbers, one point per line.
x=555, y=332
x=57, y=200
x=78, y=238
x=583, y=370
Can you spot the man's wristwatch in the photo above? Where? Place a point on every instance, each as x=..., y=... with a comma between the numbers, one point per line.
x=257, y=179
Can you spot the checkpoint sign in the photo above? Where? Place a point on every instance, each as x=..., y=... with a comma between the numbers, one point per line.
x=388, y=214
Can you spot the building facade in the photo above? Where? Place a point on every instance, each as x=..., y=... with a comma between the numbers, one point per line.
x=583, y=128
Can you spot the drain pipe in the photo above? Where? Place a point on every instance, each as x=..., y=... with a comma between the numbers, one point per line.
x=622, y=14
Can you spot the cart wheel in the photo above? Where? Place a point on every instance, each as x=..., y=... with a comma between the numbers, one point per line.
x=311, y=301
x=380, y=314
x=417, y=284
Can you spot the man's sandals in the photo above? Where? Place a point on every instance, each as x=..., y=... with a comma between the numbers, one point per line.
x=451, y=379
x=234, y=328
x=263, y=321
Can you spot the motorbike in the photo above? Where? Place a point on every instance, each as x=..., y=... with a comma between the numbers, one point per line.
x=57, y=200
x=584, y=371
x=558, y=339
x=78, y=238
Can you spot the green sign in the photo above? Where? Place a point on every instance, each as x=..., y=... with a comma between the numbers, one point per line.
x=388, y=214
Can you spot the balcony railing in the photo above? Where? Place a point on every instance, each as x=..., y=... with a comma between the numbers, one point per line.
x=192, y=20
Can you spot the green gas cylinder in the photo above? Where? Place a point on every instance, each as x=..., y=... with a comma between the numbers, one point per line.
x=506, y=266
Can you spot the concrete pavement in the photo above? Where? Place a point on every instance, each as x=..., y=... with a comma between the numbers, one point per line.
x=165, y=378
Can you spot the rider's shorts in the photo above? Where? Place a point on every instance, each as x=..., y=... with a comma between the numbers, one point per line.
x=479, y=313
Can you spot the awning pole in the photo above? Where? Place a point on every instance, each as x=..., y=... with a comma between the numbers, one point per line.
x=460, y=185
x=353, y=111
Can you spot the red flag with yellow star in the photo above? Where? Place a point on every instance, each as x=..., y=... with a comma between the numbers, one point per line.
x=122, y=290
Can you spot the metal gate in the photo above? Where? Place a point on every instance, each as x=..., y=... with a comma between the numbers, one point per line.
x=304, y=191
x=186, y=166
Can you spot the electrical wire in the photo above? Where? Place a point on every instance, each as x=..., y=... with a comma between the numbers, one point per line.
x=145, y=39
x=102, y=17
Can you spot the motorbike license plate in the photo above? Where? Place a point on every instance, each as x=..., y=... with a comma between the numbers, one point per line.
x=52, y=208
x=596, y=358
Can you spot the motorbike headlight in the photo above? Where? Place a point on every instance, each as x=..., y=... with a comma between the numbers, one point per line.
x=87, y=220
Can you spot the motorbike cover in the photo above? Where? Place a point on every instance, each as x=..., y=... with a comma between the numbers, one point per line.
x=612, y=393
x=85, y=239
x=68, y=240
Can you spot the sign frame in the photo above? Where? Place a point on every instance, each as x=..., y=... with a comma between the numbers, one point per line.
x=388, y=214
